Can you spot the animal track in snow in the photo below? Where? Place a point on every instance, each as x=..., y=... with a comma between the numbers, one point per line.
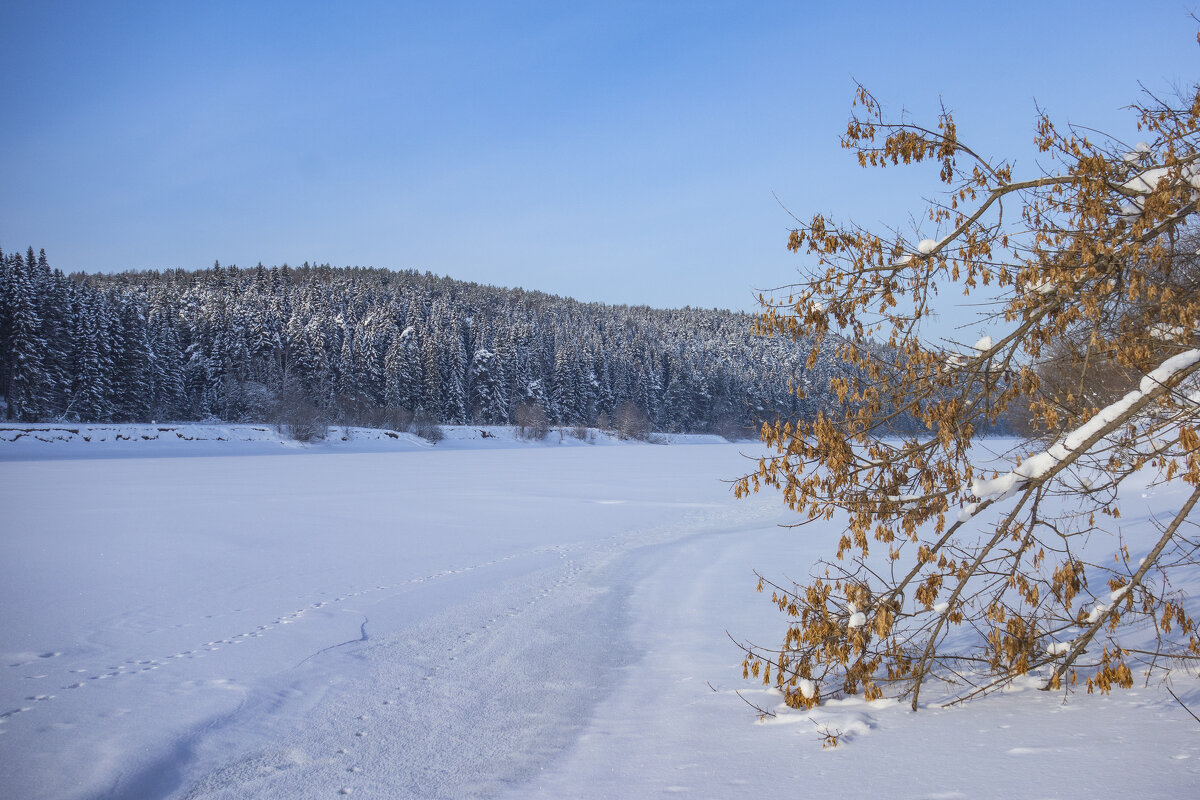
x=83, y=676
x=438, y=663
x=24, y=659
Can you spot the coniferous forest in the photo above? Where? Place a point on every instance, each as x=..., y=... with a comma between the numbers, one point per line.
x=375, y=347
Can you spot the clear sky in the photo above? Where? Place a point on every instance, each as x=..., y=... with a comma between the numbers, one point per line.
x=623, y=152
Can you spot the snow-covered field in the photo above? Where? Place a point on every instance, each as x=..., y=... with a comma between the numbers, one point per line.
x=483, y=618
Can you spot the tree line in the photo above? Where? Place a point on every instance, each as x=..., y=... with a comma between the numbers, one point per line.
x=375, y=346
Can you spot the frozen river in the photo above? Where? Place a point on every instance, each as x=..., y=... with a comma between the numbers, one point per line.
x=519, y=622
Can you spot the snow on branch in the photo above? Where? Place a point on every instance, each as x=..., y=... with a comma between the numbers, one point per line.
x=1079, y=441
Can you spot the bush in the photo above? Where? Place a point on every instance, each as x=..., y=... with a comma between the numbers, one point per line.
x=395, y=418
x=248, y=401
x=423, y=425
x=302, y=421
x=632, y=421
x=531, y=421
x=731, y=431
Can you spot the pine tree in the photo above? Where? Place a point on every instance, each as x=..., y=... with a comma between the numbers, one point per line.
x=54, y=308
x=223, y=342
x=91, y=389
x=489, y=400
x=431, y=368
x=134, y=359
x=402, y=370
x=563, y=399
x=29, y=385
x=168, y=381
x=454, y=373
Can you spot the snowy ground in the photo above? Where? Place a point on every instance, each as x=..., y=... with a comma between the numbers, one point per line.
x=477, y=619
x=40, y=441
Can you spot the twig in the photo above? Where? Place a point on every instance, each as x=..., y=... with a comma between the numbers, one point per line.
x=762, y=712
x=1185, y=708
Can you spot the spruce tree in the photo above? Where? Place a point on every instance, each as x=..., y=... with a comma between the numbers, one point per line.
x=28, y=386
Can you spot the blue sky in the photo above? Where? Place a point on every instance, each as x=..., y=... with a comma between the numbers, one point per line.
x=618, y=152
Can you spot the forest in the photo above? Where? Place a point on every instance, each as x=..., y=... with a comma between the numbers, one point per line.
x=378, y=347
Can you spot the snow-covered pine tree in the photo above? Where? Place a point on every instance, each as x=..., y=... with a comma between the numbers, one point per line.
x=169, y=399
x=489, y=399
x=90, y=395
x=29, y=388
x=248, y=340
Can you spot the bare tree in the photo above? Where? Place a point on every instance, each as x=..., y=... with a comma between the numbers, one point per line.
x=531, y=421
x=631, y=421
x=296, y=416
x=425, y=426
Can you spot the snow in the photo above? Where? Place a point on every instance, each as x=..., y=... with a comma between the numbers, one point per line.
x=1146, y=182
x=480, y=618
x=1038, y=465
x=1098, y=611
x=1043, y=287
x=55, y=440
x=1140, y=150
x=1161, y=330
x=984, y=344
x=926, y=246
x=857, y=620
